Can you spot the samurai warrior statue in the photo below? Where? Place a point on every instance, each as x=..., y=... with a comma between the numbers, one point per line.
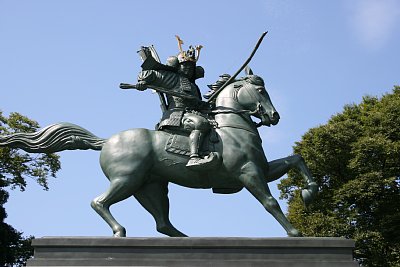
x=183, y=109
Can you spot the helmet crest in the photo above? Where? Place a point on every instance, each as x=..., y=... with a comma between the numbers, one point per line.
x=192, y=54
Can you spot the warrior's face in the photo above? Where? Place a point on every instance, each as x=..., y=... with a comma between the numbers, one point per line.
x=188, y=69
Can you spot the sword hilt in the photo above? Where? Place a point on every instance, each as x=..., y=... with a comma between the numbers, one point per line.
x=127, y=86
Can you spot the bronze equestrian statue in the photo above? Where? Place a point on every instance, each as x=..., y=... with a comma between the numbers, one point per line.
x=197, y=144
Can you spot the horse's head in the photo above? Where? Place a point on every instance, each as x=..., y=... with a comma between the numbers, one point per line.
x=253, y=96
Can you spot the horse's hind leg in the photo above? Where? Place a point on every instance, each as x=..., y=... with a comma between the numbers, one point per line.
x=252, y=178
x=120, y=189
x=279, y=167
x=154, y=198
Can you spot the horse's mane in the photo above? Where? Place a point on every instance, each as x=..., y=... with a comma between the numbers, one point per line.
x=221, y=81
x=253, y=79
x=215, y=87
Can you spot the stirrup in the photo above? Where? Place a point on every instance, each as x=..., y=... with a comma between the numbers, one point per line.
x=202, y=163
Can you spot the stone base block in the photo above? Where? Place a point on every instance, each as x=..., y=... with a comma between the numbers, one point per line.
x=204, y=251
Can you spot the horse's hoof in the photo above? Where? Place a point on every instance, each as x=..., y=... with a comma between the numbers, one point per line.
x=306, y=196
x=120, y=233
x=313, y=187
x=294, y=233
x=170, y=230
x=309, y=193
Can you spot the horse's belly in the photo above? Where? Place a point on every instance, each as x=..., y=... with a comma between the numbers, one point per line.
x=172, y=168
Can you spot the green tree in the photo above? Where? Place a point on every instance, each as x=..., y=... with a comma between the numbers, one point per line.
x=15, y=168
x=355, y=159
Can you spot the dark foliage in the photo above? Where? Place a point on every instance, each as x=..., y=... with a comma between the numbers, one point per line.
x=15, y=168
x=355, y=159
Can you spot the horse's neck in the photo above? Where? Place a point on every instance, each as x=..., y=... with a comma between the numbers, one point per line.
x=228, y=98
x=226, y=102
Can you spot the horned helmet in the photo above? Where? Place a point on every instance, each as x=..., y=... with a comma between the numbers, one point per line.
x=187, y=61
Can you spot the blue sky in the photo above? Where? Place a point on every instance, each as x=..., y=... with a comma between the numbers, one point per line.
x=63, y=61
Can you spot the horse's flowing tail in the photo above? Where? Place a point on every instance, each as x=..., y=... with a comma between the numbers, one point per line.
x=54, y=138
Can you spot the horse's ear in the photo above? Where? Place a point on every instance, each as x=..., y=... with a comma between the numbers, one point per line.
x=248, y=70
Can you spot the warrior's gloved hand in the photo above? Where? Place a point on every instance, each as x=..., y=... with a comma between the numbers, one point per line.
x=141, y=86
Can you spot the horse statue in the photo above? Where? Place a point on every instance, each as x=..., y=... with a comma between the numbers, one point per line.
x=137, y=163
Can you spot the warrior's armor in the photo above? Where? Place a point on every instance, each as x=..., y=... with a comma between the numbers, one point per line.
x=176, y=105
x=184, y=114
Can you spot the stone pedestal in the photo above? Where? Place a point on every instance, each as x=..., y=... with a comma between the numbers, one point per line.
x=277, y=252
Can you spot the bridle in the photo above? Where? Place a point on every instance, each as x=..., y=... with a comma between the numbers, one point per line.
x=258, y=111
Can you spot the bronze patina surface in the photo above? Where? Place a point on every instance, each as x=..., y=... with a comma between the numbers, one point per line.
x=197, y=144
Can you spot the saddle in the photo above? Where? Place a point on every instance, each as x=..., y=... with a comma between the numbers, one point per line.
x=178, y=143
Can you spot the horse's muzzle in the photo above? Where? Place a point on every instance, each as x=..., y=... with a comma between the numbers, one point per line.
x=269, y=120
x=275, y=118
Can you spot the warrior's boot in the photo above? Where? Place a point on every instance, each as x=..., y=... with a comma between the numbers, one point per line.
x=196, y=162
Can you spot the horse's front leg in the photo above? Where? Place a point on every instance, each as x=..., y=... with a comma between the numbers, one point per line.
x=280, y=167
x=253, y=179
